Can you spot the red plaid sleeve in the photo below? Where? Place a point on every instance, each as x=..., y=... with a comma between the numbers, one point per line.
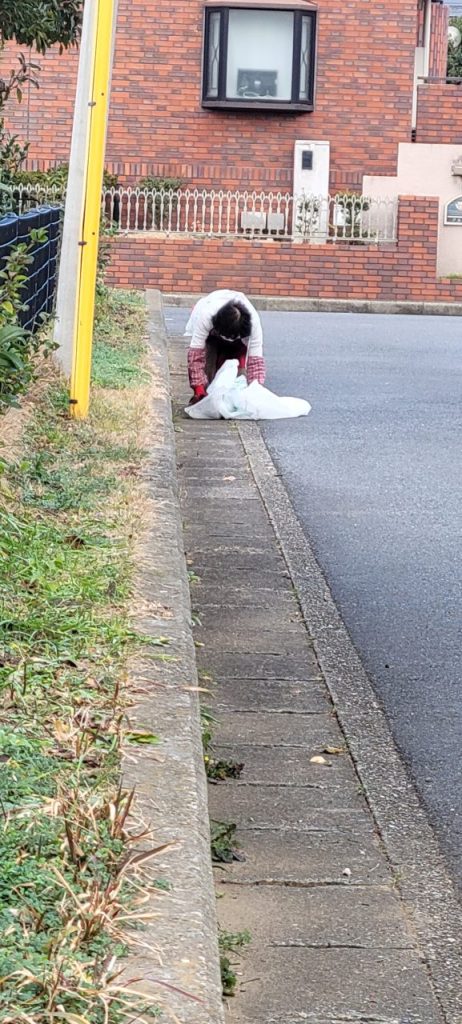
x=256, y=369
x=196, y=367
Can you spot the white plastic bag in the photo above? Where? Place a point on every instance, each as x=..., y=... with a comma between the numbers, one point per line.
x=228, y=397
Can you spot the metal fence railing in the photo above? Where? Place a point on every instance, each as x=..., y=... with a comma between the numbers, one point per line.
x=39, y=291
x=28, y=197
x=345, y=217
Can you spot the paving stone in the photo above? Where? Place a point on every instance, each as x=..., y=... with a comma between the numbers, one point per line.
x=214, y=508
x=231, y=545
x=212, y=577
x=255, y=617
x=326, y=915
x=189, y=457
x=267, y=640
x=206, y=491
x=307, y=857
x=242, y=600
x=312, y=734
x=236, y=517
x=270, y=695
x=261, y=666
x=257, y=535
x=256, y=601
x=215, y=448
x=218, y=481
x=287, y=807
x=334, y=986
x=223, y=478
x=289, y=766
x=230, y=556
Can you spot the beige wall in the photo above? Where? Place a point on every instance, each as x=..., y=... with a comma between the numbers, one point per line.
x=425, y=170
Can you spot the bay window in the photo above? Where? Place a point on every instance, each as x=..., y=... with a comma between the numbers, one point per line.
x=259, y=55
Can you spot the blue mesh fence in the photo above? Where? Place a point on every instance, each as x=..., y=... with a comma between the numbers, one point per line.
x=39, y=290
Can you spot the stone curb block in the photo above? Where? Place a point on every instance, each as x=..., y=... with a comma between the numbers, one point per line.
x=184, y=978
x=308, y=305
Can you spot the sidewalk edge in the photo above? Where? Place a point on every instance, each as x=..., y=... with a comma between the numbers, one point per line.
x=171, y=787
x=427, y=892
x=312, y=305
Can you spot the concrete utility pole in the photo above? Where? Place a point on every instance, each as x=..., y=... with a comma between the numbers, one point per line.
x=78, y=266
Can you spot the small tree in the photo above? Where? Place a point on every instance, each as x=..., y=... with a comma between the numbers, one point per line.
x=307, y=216
x=455, y=53
x=41, y=23
x=12, y=156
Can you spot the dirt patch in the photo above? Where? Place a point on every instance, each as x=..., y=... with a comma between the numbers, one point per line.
x=14, y=422
x=11, y=430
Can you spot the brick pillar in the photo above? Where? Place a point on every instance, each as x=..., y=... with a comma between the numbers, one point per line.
x=439, y=40
x=417, y=247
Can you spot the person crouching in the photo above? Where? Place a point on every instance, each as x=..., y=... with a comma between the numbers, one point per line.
x=223, y=325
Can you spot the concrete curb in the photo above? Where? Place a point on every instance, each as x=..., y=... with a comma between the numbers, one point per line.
x=184, y=979
x=428, y=894
x=307, y=305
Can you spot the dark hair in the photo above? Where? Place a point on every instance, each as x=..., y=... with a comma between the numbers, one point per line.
x=232, y=321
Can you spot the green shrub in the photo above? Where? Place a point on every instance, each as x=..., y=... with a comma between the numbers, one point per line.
x=156, y=216
x=17, y=345
x=159, y=184
x=43, y=179
x=12, y=154
x=455, y=54
x=56, y=176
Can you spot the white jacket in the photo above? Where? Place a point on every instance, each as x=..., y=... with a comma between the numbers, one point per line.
x=200, y=322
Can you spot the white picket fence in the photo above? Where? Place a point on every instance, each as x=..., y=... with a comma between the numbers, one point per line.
x=345, y=217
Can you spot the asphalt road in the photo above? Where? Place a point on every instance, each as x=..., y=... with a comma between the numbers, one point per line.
x=375, y=477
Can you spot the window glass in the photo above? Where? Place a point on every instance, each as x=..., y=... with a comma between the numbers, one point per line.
x=213, y=56
x=260, y=55
x=305, y=55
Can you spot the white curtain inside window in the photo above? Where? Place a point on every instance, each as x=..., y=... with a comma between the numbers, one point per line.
x=260, y=55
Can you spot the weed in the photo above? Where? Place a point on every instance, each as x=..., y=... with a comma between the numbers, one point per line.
x=162, y=884
x=207, y=721
x=224, y=845
x=218, y=771
x=229, y=942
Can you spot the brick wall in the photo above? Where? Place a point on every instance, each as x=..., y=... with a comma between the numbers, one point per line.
x=439, y=113
x=157, y=125
x=439, y=41
x=405, y=271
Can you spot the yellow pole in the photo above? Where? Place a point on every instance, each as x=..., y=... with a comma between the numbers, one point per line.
x=88, y=245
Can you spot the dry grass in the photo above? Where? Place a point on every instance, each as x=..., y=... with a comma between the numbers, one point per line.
x=14, y=421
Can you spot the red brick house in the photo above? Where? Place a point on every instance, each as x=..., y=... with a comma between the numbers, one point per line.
x=166, y=119
x=217, y=93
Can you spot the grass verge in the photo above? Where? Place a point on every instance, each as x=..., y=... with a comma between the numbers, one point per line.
x=70, y=509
